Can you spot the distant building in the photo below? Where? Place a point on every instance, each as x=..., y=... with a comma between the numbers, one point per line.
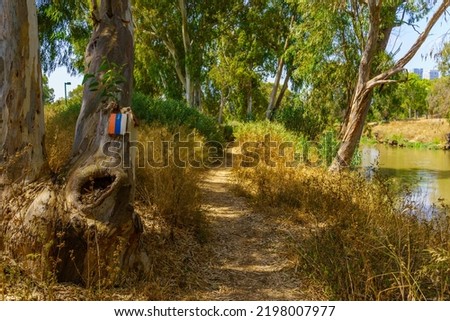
x=418, y=72
x=434, y=74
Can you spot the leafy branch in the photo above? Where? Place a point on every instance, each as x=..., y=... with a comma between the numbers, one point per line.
x=108, y=80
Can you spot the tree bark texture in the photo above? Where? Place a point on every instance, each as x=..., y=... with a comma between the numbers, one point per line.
x=22, y=156
x=100, y=192
x=81, y=224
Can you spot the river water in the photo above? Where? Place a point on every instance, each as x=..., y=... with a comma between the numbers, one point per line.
x=427, y=171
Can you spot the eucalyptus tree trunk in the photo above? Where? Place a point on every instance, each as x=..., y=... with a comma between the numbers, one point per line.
x=188, y=86
x=274, y=106
x=22, y=158
x=100, y=189
x=223, y=100
x=80, y=224
x=249, y=111
x=282, y=92
x=274, y=92
x=275, y=97
x=366, y=82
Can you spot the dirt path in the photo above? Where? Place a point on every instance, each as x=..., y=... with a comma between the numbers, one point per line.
x=250, y=259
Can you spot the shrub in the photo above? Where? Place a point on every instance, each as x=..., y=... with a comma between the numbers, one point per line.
x=173, y=114
x=318, y=153
x=300, y=118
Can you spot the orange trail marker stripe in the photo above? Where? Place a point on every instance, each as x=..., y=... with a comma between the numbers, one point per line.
x=112, y=123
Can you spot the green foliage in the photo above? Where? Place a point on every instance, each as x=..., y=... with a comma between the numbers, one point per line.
x=304, y=119
x=107, y=80
x=245, y=54
x=444, y=60
x=326, y=53
x=174, y=114
x=68, y=111
x=328, y=147
x=413, y=95
x=403, y=100
x=439, y=97
x=64, y=30
x=231, y=51
x=162, y=60
x=255, y=132
x=386, y=104
x=48, y=93
x=330, y=42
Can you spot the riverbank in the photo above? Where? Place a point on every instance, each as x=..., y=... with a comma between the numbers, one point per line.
x=358, y=239
x=426, y=133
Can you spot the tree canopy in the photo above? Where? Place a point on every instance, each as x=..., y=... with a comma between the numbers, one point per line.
x=237, y=59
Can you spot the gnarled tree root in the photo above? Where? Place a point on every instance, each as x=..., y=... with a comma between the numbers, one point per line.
x=87, y=235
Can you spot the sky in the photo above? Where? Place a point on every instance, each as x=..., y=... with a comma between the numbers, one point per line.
x=405, y=36
x=401, y=40
x=57, y=79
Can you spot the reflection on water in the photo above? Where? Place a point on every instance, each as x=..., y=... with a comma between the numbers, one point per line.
x=428, y=171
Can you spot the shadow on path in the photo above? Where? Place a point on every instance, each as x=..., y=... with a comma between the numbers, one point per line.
x=250, y=259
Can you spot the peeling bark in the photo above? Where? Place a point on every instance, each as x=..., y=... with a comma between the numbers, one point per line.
x=82, y=227
x=100, y=197
x=22, y=157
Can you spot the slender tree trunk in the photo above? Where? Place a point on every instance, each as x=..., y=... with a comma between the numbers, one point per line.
x=367, y=102
x=382, y=43
x=221, y=107
x=276, y=84
x=189, y=92
x=273, y=95
x=197, y=96
x=173, y=52
x=280, y=97
x=365, y=84
x=250, y=102
x=350, y=140
x=361, y=98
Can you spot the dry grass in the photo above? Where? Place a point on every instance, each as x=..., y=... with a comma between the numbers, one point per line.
x=359, y=238
x=171, y=190
x=420, y=130
x=345, y=237
x=168, y=201
x=60, y=120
